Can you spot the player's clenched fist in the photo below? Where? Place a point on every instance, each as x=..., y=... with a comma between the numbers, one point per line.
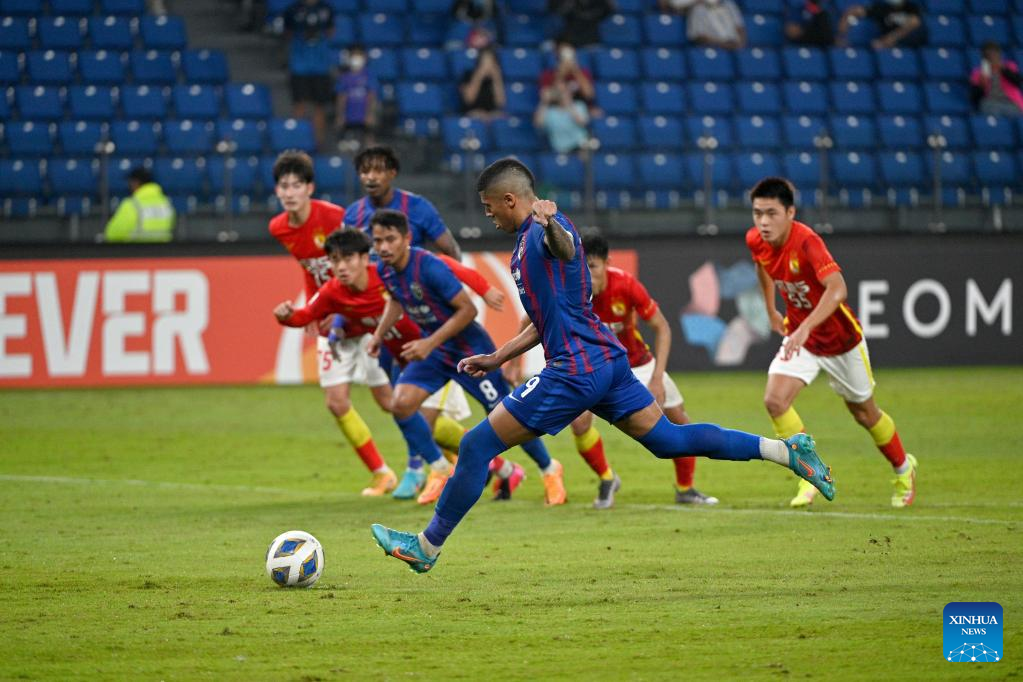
x=477, y=365
x=283, y=311
x=543, y=210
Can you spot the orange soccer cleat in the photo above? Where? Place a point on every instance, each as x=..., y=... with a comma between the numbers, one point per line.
x=435, y=483
x=382, y=483
x=554, y=485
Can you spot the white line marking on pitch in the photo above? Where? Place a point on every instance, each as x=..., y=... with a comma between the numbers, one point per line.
x=811, y=514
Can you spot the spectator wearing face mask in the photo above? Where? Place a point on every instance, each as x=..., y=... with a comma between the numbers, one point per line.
x=577, y=80
x=356, y=105
x=900, y=23
x=995, y=84
x=562, y=118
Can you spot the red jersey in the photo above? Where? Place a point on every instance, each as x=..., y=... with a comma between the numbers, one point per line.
x=617, y=305
x=797, y=269
x=305, y=242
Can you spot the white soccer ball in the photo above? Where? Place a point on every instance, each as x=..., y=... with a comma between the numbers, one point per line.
x=294, y=559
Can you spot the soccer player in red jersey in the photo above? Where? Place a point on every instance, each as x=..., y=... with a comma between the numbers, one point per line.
x=820, y=331
x=618, y=298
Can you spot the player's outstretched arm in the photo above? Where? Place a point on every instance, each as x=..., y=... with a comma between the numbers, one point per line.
x=558, y=239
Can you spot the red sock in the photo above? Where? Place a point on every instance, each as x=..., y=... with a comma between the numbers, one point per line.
x=496, y=464
x=684, y=467
x=591, y=448
x=370, y=456
x=893, y=452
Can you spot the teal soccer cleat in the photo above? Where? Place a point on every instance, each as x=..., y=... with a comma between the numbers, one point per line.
x=404, y=546
x=803, y=460
x=410, y=485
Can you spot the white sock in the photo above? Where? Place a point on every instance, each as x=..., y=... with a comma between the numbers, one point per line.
x=774, y=450
x=906, y=466
x=428, y=548
x=382, y=470
x=506, y=470
x=442, y=465
x=552, y=468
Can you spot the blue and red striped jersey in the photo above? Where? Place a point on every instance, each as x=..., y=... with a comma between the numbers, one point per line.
x=424, y=221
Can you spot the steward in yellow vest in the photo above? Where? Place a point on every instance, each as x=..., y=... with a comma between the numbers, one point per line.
x=146, y=216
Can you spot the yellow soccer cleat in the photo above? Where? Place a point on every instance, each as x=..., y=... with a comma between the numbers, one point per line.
x=554, y=486
x=435, y=483
x=381, y=484
x=905, y=485
x=804, y=496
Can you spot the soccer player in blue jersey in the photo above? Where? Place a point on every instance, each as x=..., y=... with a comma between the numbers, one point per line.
x=426, y=289
x=587, y=369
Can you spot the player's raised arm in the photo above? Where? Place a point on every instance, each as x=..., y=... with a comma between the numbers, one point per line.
x=558, y=239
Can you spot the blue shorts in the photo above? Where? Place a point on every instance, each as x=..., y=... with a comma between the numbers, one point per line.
x=552, y=399
x=433, y=372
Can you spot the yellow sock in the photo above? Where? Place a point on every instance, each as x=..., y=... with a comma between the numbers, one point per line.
x=447, y=433
x=787, y=424
x=587, y=440
x=883, y=431
x=355, y=430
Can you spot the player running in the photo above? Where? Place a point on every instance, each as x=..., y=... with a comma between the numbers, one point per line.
x=587, y=369
x=618, y=298
x=820, y=331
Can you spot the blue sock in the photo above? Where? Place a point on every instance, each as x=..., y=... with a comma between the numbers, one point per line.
x=419, y=437
x=463, y=489
x=415, y=462
x=538, y=451
x=667, y=441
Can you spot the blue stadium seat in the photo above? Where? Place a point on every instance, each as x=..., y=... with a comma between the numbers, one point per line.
x=72, y=8
x=946, y=97
x=291, y=133
x=767, y=6
x=661, y=172
x=248, y=100
x=661, y=97
x=852, y=97
x=20, y=178
x=136, y=138
x=91, y=102
x=621, y=30
x=944, y=63
x=204, y=67
x=15, y=33
x=390, y=6
x=266, y=176
x=996, y=172
x=758, y=63
x=664, y=30
x=515, y=134
x=118, y=170
x=10, y=68
x=710, y=98
x=459, y=61
x=59, y=33
x=615, y=63
x=522, y=98
x=613, y=171
x=988, y=6
x=904, y=169
x=244, y=172
x=48, y=67
x=862, y=31
x=163, y=32
x=900, y=132
x=759, y=97
x=39, y=102
x=100, y=67
x=805, y=97
x=944, y=30
x=956, y=172
x=381, y=30
x=663, y=64
x=615, y=133
x=710, y=64
x=517, y=63
x=459, y=130
x=854, y=170
x=987, y=27
x=954, y=129
x=188, y=137
x=143, y=102
x=661, y=132
x=29, y=138
x=248, y=136
x=129, y=8
x=993, y=131
x=201, y=102
x=723, y=176
x=25, y=8
x=563, y=171
x=428, y=29
x=73, y=176
x=180, y=176
x=343, y=35
x=5, y=105
x=419, y=99
x=619, y=98
x=764, y=30
x=111, y=33
x=79, y=138
x=758, y=132
x=852, y=63
x=899, y=97
x=805, y=63
x=898, y=64
x=523, y=30
x=853, y=132
x=801, y=130
x=383, y=63
x=152, y=67
x=753, y=167
x=1017, y=28
x=718, y=127
x=424, y=64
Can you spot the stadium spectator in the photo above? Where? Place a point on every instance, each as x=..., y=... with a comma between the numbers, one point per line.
x=308, y=25
x=146, y=216
x=714, y=23
x=474, y=11
x=582, y=20
x=569, y=73
x=562, y=118
x=482, y=88
x=810, y=22
x=900, y=23
x=995, y=85
x=357, y=94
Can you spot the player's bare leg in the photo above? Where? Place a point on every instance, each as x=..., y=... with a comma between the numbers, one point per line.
x=780, y=393
x=405, y=406
x=882, y=429
x=339, y=404
x=590, y=446
x=685, y=467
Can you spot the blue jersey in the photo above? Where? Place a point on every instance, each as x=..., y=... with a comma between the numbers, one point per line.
x=425, y=289
x=424, y=222
x=556, y=296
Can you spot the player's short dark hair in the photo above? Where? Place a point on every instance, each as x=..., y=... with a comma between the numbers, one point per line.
x=391, y=219
x=595, y=245
x=501, y=169
x=377, y=153
x=775, y=188
x=347, y=242
x=141, y=175
x=294, y=162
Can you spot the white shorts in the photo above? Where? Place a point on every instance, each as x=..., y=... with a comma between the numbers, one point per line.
x=849, y=374
x=450, y=400
x=672, y=396
x=356, y=366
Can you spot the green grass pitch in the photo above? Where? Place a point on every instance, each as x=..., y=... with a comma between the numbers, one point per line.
x=135, y=524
